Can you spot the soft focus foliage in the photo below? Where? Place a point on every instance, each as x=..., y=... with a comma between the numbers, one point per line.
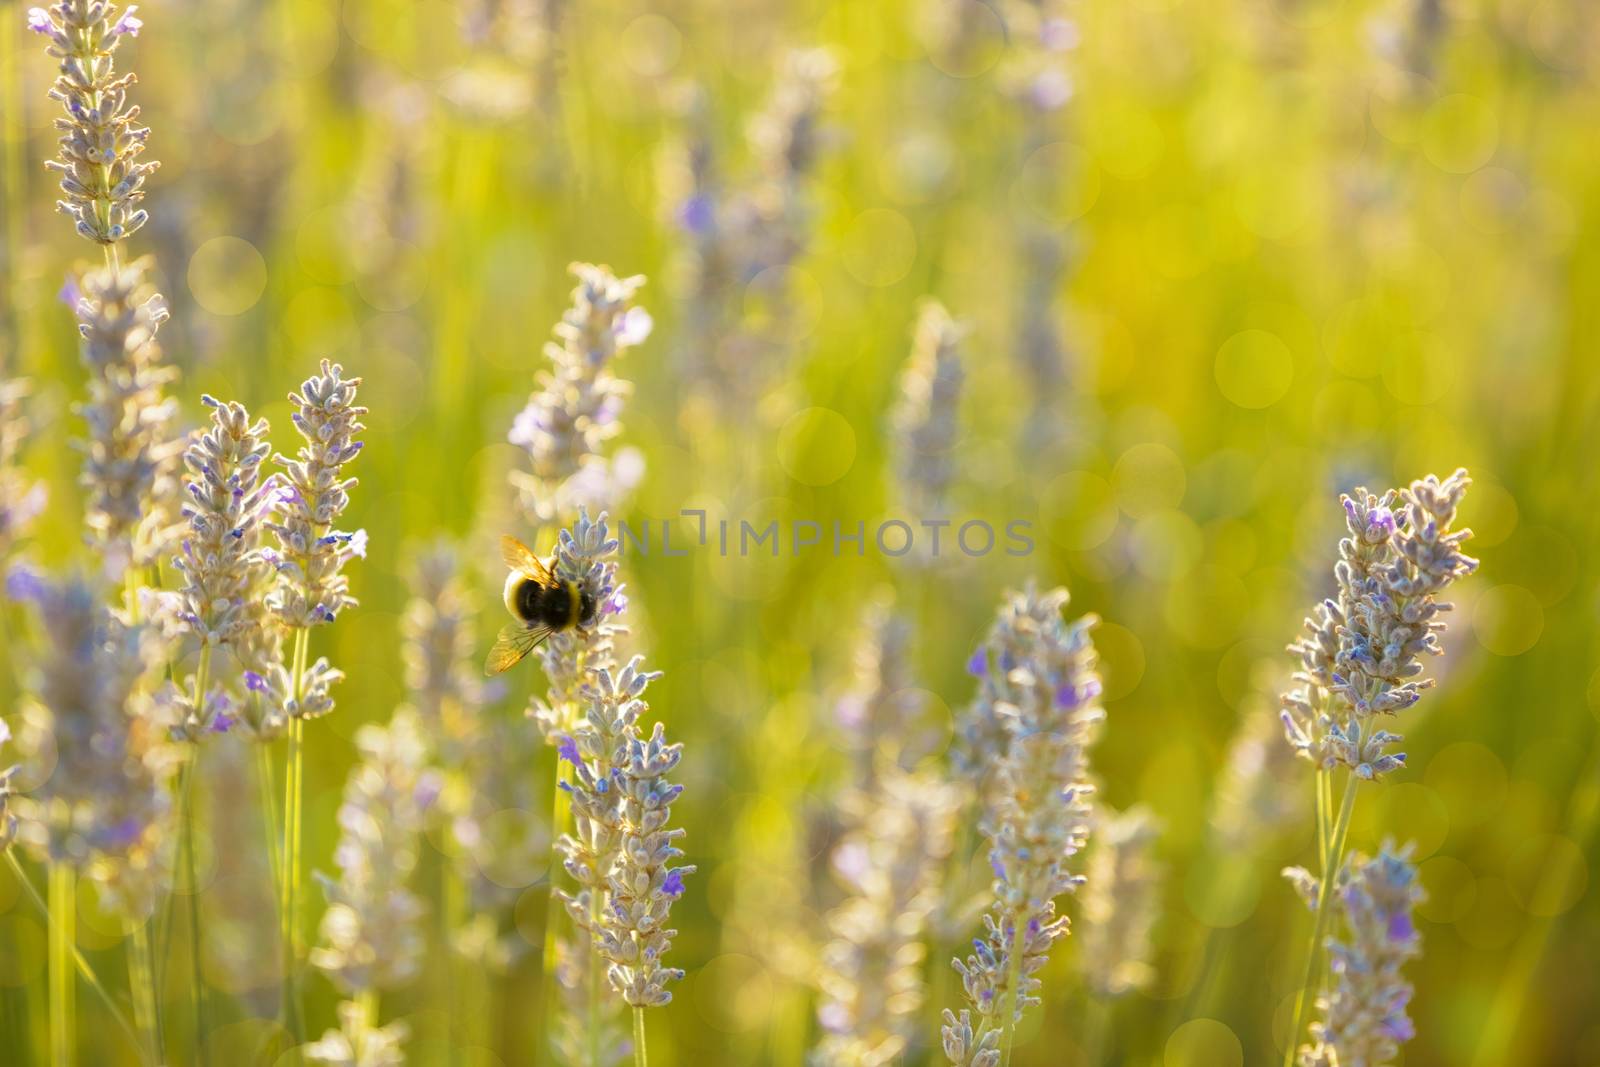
x=1214, y=266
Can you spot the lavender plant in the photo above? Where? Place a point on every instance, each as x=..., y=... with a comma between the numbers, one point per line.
x=1034, y=719
x=102, y=175
x=897, y=838
x=370, y=936
x=925, y=421
x=896, y=820
x=745, y=233
x=478, y=775
x=131, y=458
x=1364, y=1019
x=102, y=809
x=310, y=590
x=221, y=558
x=1120, y=903
x=568, y=420
x=1360, y=660
x=21, y=498
x=620, y=852
x=1039, y=81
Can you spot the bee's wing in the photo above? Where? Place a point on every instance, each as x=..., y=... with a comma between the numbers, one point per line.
x=516, y=640
x=519, y=557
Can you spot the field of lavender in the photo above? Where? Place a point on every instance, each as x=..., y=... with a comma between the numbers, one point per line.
x=914, y=316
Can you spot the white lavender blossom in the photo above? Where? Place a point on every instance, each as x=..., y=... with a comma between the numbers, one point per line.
x=371, y=938
x=1360, y=654
x=925, y=421
x=131, y=456
x=965, y=1047
x=21, y=498
x=880, y=712
x=1364, y=1020
x=312, y=588
x=899, y=835
x=1120, y=903
x=358, y=1042
x=568, y=420
x=1036, y=717
x=102, y=177
x=221, y=558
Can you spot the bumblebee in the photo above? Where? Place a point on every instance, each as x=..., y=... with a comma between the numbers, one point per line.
x=542, y=603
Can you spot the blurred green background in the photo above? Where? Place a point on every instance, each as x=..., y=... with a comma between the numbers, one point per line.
x=1309, y=245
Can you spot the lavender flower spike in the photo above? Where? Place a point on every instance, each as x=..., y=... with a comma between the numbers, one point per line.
x=1360, y=656
x=1038, y=712
x=1364, y=1016
x=131, y=457
x=371, y=937
x=567, y=422
x=1120, y=903
x=925, y=422
x=102, y=176
x=312, y=588
x=21, y=498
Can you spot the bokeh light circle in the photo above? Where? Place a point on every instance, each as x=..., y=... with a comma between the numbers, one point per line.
x=1254, y=369
x=1507, y=620
x=227, y=275
x=880, y=247
x=817, y=446
x=1203, y=1043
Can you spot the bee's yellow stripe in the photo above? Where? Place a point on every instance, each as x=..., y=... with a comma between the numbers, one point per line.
x=572, y=605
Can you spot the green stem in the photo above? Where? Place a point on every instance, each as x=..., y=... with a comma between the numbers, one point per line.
x=1330, y=870
x=63, y=947
x=641, y=1057
x=192, y=884
x=1013, y=994
x=367, y=1001
x=269, y=810
x=290, y=888
x=592, y=962
x=78, y=958
x=560, y=809
x=14, y=135
x=141, y=982
x=1322, y=815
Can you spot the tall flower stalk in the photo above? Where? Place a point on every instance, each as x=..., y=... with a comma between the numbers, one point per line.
x=102, y=812
x=565, y=430
x=311, y=590
x=926, y=419
x=21, y=497
x=1036, y=717
x=221, y=563
x=1360, y=664
x=1039, y=80
x=896, y=823
x=566, y=423
x=620, y=853
x=744, y=234
x=371, y=938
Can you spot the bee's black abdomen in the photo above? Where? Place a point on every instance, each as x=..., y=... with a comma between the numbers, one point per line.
x=556, y=607
x=530, y=600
